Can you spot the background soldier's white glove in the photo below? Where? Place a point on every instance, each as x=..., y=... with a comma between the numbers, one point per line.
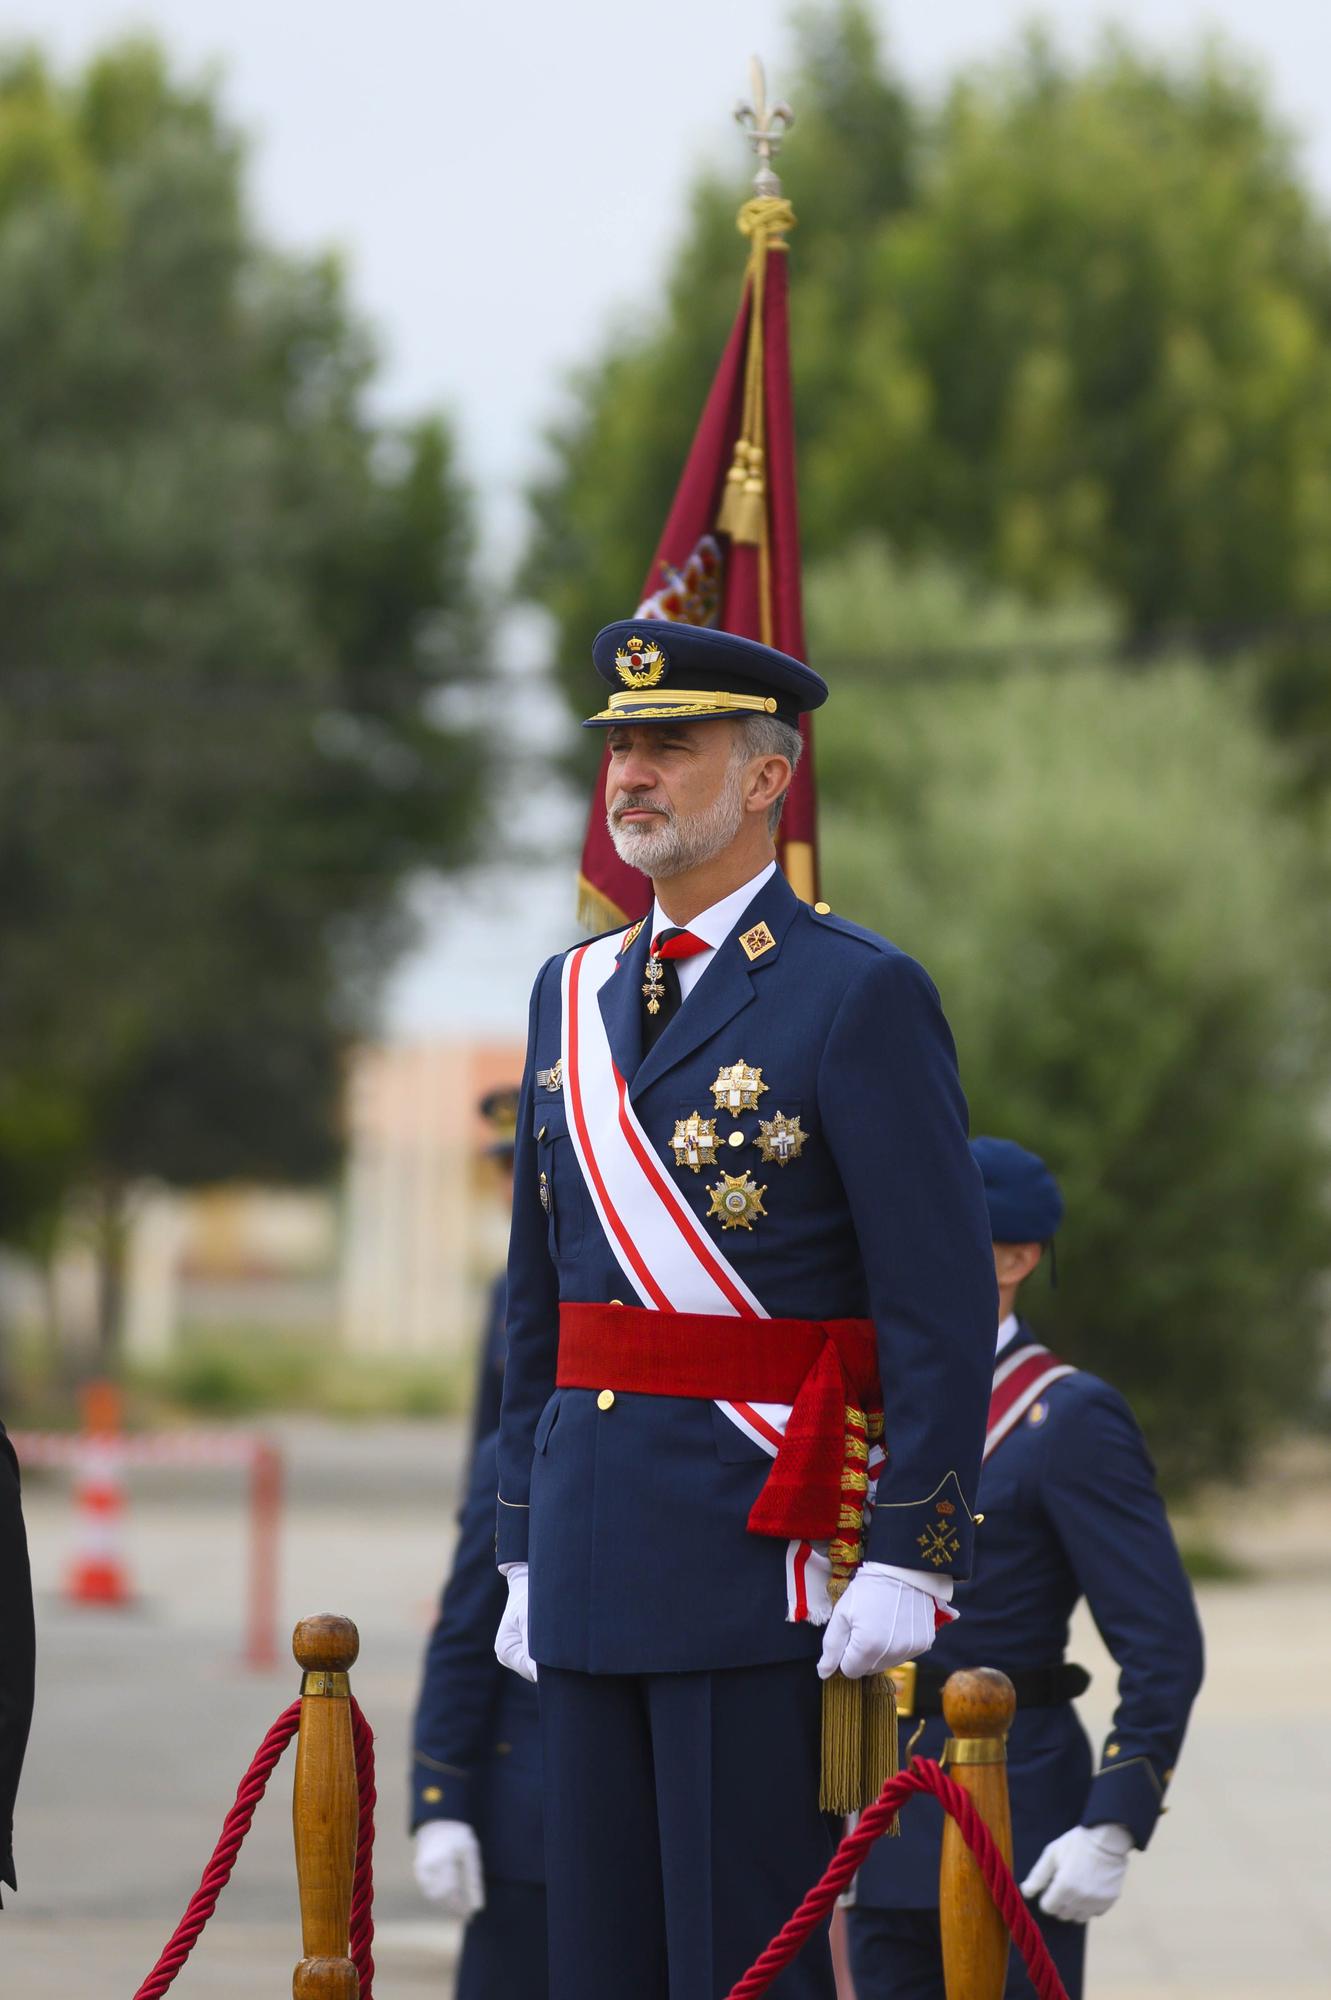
x=447, y=1865
x=879, y=1621
x=1080, y=1875
x=511, y=1638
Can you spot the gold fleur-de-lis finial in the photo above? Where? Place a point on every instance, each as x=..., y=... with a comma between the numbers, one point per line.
x=766, y=125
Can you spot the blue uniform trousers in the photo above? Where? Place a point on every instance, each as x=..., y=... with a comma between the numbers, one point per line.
x=682, y=1828
x=503, y=1951
x=898, y=1955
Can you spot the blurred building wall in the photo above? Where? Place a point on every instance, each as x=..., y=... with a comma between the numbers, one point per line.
x=424, y=1226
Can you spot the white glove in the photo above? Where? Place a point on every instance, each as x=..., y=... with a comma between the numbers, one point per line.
x=511, y=1638
x=447, y=1865
x=1081, y=1873
x=879, y=1621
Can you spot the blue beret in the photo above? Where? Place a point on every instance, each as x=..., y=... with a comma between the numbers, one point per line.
x=1025, y=1205
x=667, y=672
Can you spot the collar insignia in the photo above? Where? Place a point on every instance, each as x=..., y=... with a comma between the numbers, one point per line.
x=757, y=941
x=640, y=663
x=631, y=934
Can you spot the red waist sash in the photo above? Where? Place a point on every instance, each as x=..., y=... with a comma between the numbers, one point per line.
x=827, y=1370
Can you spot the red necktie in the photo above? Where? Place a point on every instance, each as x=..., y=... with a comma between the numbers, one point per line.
x=661, y=991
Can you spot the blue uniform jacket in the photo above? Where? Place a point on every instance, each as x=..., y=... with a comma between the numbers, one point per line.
x=633, y=1518
x=1071, y=1510
x=476, y=1738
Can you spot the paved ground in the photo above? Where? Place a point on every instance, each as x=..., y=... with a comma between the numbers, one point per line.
x=145, y=1723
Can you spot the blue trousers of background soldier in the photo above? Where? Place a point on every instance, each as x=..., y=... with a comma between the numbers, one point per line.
x=898, y=1955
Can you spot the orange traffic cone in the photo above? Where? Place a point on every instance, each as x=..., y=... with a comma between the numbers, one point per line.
x=98, y=1573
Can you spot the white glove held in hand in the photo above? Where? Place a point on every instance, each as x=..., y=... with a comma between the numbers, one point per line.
x=878, y=1622
x=447, y=1864
x=511, y=1638
x=1081, y=1873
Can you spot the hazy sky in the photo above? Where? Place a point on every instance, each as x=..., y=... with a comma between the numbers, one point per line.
x=506, y=180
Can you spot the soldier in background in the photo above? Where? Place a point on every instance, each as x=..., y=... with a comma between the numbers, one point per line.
x=500, y=1108
x=1070, y=1509
x=476, y=1767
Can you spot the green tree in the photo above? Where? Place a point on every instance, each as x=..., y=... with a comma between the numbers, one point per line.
x=1071, y=326
x=1129, y=937
x=234, y=609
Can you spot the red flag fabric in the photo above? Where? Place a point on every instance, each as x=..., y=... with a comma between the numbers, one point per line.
x=703, y=574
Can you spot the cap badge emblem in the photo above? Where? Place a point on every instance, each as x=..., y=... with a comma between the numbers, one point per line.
x=694, y=1143
x=640, y=663
x=737, y=1201
x=781, y=1138
x=738, y=1088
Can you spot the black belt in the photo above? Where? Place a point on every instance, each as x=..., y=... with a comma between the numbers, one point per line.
x=920, y=1686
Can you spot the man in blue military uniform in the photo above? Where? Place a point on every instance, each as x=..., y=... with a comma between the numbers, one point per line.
x=745, y=1223
x=476, y=1773
x=1071, y=1510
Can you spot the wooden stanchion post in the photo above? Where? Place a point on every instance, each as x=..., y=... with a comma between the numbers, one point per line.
x=978, y=1705
x=325, y=1809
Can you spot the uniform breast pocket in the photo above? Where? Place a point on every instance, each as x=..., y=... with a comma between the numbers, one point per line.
x=560, y=1182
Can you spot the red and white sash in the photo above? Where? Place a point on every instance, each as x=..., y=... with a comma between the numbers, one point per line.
x=659, y=1243
x=1020, y=1380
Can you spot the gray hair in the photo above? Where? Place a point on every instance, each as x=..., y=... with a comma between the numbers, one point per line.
x=768, y=736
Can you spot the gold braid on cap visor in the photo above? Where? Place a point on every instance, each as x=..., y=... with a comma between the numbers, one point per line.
x=671, y=704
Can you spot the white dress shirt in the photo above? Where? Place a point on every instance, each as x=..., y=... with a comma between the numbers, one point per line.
x=712, y=926
x=1007, y=1332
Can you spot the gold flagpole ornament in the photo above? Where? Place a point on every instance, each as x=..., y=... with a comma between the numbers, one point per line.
x=764, y=219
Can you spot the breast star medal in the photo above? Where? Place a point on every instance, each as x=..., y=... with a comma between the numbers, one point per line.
x=694, y=1143
x=738, y=1088
x=737, y=1201
x=780, y=1138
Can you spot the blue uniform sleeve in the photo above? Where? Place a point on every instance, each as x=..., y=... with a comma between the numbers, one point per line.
x=17, y=1653
x=533, y=1312
x=891, y=1106
x=1100, y=1494
x=490, y=1369
x=460, y=1681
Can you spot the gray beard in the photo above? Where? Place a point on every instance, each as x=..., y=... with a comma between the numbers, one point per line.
x=677, y=845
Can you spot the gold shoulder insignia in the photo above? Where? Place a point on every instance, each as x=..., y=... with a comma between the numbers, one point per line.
x=757, y=941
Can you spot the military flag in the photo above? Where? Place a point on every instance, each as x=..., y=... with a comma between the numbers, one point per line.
x=729, y=554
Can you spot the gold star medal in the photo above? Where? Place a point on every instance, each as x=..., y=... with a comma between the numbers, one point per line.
x=780, y=1138
x=737, y=1201
x=738, y=1088
x=694, y=1143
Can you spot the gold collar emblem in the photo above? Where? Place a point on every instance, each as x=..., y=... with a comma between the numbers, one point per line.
x=757, y=942
x=640, y=663
x=738, y=1088
x=780, y=1138
x=736, y=1200
x=694, y=1143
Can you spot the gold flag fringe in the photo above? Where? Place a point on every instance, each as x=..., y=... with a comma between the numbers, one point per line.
x=596, y=912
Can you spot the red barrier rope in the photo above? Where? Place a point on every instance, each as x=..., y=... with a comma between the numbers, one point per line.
x=362, y=1889
x=218, y=1872
x=923, y=1775
x=237, y=1824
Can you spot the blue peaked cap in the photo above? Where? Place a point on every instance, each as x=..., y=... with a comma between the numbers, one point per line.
x=1025, y=1205
x=663, y=671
